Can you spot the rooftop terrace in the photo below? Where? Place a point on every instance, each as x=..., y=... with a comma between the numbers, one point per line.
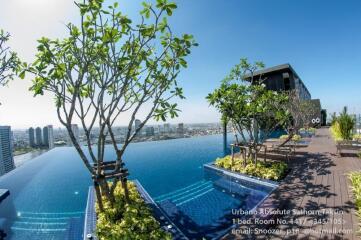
x=317, y=194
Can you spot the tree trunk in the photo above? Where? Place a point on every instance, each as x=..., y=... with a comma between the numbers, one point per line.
x=99, y=196
x=232, y=156
x=126, y=190
x=225, y=135
x=244, y=158
x=290, y=136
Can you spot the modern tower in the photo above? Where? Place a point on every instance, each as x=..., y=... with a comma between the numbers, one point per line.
x=137, y=123
x=6, y=150
x=32, y=137
x=180, y=128
x=48, y=137
x=38, y=137
x=166, y=127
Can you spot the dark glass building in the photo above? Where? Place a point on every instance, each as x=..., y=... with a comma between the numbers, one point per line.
x=284, y=78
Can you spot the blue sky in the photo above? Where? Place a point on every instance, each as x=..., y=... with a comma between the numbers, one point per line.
x=320, y=39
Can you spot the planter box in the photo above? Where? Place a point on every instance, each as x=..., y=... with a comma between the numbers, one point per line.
x=159, y=215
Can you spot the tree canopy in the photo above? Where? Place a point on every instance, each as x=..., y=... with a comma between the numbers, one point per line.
x=253, y=111
x=9, y=61
x=110, y=68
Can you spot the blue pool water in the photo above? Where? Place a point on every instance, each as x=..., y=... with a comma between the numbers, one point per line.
x=203, y=210
x=48, y=194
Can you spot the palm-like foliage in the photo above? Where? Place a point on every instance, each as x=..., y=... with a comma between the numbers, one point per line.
x=346, y=124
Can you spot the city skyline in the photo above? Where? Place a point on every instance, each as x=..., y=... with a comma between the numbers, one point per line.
x=313, y=45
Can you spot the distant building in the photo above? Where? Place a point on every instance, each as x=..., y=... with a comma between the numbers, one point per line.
x=166, y=128
x=323, y=117
x=75, y=130
x=149, y=131
x=32, y=137
x=180, y=128
x=137, y=123
x=6, y=150
x=159, y=129
x=48, y=137
x=38, y=137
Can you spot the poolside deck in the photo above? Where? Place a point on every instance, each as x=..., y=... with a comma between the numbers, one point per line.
x=315, y=196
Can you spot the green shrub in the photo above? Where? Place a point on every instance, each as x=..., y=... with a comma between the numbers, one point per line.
x=295, y=137
x=356, y=137
x=283, y=137
x=128, y=221
x=346, y=124
x=309, y=130
x=312, y=130
x=355, y=178
x=335, y=132
x=342, y=126
x=269, y=170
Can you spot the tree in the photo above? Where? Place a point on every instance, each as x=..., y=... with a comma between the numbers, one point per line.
x=346, y=124
x=301, y=111
x=9, y=61
x=109, y=68
x=253, y=111
x=333, y=118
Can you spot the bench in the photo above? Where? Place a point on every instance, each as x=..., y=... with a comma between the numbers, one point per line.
x=347, y=145
x=286, y=150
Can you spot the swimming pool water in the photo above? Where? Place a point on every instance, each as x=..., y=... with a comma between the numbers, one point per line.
x=203, y=210
x=48, y=194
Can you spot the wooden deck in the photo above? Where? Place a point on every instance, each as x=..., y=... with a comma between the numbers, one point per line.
x=315, y=197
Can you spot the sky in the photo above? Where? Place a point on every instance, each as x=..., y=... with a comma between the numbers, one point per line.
x=321, y=39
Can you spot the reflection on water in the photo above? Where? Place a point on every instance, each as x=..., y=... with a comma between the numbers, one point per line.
x=23, y=158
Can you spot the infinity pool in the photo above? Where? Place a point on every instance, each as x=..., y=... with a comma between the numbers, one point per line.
x=48, y=194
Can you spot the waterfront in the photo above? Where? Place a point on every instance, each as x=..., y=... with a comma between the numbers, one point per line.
x=26, y=157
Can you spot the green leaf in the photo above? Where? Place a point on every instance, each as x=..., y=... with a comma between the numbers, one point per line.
x=22, y=74
x=169, y=11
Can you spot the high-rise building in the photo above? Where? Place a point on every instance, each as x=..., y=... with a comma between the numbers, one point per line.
x=159, y=129
x=38, y=137
x=137, y=123
x=48, y=137
x=281, y=78
x=166, y=127
x=6, y=150
x=284, y=78
x=32, y=137
x=180, y=128
x=149, y=131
